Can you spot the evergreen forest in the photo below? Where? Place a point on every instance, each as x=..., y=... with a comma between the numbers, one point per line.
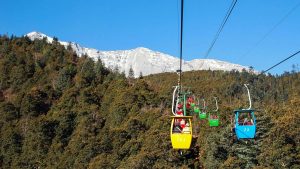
x=58, y=110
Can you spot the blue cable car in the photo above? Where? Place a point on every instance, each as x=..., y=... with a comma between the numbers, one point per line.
x=245, y=121
x=245, y=124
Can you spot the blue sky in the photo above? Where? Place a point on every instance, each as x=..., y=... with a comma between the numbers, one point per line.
x=127, y=24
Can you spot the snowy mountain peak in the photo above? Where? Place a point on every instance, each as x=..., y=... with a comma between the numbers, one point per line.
x=142, y=49
x=142, y=59
x=38, y=35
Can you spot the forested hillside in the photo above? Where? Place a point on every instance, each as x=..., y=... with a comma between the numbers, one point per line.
x=59, y=110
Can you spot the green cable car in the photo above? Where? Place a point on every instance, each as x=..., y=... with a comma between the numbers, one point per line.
x=197, y=107
x=202, y=114
x=193, y=104
x=213, y=117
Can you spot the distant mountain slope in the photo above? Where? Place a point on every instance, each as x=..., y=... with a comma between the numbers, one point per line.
x=144, y=60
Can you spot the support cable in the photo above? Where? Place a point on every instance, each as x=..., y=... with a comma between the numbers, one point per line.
x=221, y=27
x=281, y=62
x=181, y=39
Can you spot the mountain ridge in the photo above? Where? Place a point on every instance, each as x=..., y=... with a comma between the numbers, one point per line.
x=143, y=60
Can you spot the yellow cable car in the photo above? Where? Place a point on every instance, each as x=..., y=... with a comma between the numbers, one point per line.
x=181, y=132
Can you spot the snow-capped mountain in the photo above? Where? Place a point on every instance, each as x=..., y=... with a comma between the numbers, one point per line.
x=143, y=60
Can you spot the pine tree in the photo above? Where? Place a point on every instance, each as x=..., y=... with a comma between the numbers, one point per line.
x=131, y=73
x=141, y=75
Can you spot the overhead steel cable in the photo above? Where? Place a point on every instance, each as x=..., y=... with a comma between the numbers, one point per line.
x=178, y=22
x=221, y=27
x=281, y=62
x=271, y=30
x=181, y=39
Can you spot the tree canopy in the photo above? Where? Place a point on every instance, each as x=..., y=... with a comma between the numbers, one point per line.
x=59, y=110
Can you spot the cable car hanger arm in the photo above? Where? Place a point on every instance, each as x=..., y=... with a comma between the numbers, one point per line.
x=173, y=100
x=249, y=96
x=217, y=107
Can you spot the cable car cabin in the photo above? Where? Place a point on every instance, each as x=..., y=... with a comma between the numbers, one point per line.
x=193, y=105
x=213, y=119
x=202, y=115
x=245, y=123
x=196, y=109
x=181, y=132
